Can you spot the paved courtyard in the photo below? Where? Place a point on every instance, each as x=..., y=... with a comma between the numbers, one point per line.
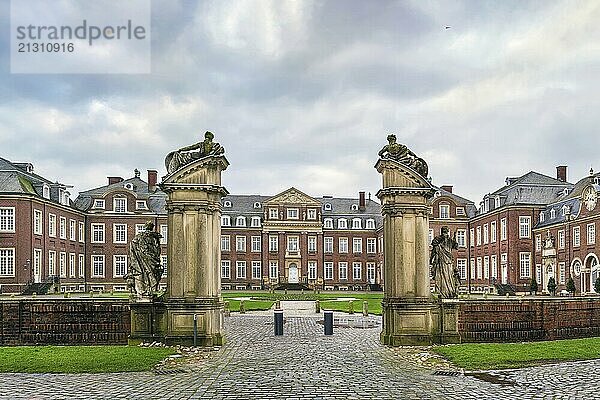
x=305, y=364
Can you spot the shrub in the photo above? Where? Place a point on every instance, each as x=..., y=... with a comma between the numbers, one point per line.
x=571, y=286
x=533, y=286
x=552, y=286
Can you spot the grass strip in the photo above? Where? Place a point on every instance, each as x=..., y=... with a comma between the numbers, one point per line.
x=482, y=356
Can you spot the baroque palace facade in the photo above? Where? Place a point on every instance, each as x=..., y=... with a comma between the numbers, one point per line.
x=533, y=226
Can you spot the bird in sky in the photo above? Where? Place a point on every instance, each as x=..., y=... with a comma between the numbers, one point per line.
x=448, y=27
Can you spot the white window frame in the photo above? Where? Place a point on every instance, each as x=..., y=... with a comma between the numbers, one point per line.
x=311, y=245
x=493, y=233
x=72, y=269
x=486, y=234
x=371, y=272
x=273, y=243
x=122, y=207
x=72, y=233
x=503, y=229
x=328, y=245
x=524, y=227
x=461, y=237
x=538, y=242
x=293, y=213
x=312, y=270
x=371, y=245
x=356, y=223
x=225, y=220
x=370, y=224
x=328, y=223
x=576, y=236
x=81, y=232
x=164, y=233
x=356, y=271
x=461, y=266
x=240, y=269
x=478, y=230
x=7, y=261
x=62, y=228
x=81, y=265
x=98, y=266
x=62, y=262
x=494, y=267
x=343, y=271
x=273, y=213
x=119, y=262
x=273, y=269
x=472, y=237
x=293, y=243
x=240, y=221
x=51, y=263
x=120, y=230
x=256, y=246
x=486, y=267
x=328, y=271
x=98, y=232
x=311, y=214
x=240, y=243
x=525, y=265
x=99, y=204
x=343, y=245
x=561, y=238
x=38, y=227
x=255, y=222
x=225, y=269
x=225, y=243
x=444, y=211
x=357, y=245
x=342, y=223
x=256, y=270
x=591, y=233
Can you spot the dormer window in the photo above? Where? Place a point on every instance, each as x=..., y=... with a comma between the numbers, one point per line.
x=240, y=221
x=292, y=213
x=356, y=223
x=565, y=210
x=552, y=213
x=227, y=204
x=327, y=207
x=542, y=216
x=444, y=211
x=497, y=202
x=46, y=191
x=65, y=198
x=342, y=223
x=257, y=205
x=141, y=205
x=460, y=211
x=354, y=207
x=370, y=224
x=120, y=205
x=225, y=220
x=596, y=180
x=128, y=186
x=99, y=203
x=565, y=191
x=328, y=223
x=255, y=222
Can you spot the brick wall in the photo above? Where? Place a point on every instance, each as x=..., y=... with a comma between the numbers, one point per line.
x=64, y=321
x=528, y=319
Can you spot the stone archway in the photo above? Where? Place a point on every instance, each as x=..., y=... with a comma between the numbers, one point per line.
x=576, y=267
x=591, y=272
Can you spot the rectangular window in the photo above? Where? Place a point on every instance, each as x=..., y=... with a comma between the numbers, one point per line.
x=430, y=235
x=472, y=237
x=292, y=213
x=343, y=245
x=525, y=265
x=63, y=264
x=328, y=269
x=97, y=233
x=478, y=236
x=81, y=265
x=591, y=233
x=473, y=276
x=119, y=233
x=486, y=234
x=164, y=264
x=37, y=222
x=241, y=269
x=494, y=261
x=139, y=228
x=72, y=230
x=7, y=262
x=493, y=232
x=311, y=213
x=538, y=242
x=273, y=269
x=51, y=225
x=576, y=236
x=120, y=205
x=343, y=270
x=524, y=227
x=240, y=243
x=256, y=270
x=225, y=269
x=312, y=244
x=460, y=211
x=98, y=266
x=98, y=203
x=164, y=232
x=256, y=247
x=357, y=271
x=328, y=245
x=273, y=213
x=461, y=237
x=479, y=268
x=371, y=273
x=312, y=270
x=292, y=243
x=561, y=239
x=225, y=243
x=51, y=263
x=357, y=245
x=141, y=205
x=7, y=219
x=120, y=266
x=461, y=265
x=62, y=228
x=273, y=243
x=486, y=267
x=71, y=265
x=371, y=245
x=503, y=229
x=81, y=232
x=255, y=222
x=444, y=211
x=561, y=273
x=37, y=264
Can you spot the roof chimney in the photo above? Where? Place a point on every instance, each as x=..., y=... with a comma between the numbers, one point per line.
x=447, y=188
x=152, y=175
x=114, y=179
x=362, y=205
x=561, y=173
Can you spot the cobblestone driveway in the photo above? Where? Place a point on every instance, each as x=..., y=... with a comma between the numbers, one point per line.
x=305, y=364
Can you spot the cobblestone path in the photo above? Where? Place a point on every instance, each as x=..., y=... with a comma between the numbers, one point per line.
x=305, y=364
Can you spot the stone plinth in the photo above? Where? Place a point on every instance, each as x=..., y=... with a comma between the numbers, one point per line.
x=193, y=251
x=410, y=316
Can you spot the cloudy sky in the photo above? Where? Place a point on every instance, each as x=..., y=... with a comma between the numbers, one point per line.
x=303, y=93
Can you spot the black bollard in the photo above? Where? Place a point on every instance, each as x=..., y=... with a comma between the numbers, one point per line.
x=195, y=330
x=278, y=315
x=328, y=322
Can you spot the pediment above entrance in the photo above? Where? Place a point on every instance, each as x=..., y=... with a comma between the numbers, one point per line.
x=292, y=196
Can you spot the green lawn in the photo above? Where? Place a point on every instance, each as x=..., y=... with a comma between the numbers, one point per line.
x=476, y=356
x=250, y=305
x=80, y=359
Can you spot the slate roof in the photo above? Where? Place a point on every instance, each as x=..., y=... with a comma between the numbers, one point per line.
x=470, y=208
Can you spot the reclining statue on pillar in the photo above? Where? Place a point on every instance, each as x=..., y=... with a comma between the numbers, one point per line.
x=445, y=273
x=184, y=156
x=145, y=269
x=401, y=153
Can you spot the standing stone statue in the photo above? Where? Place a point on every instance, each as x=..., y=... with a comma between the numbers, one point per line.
x=145, y=269
x=179, y=158
x=444, y=272
x=401, y=153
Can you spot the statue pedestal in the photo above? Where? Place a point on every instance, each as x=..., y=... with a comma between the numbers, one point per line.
x=410, y=315
x=148, y=319
x=193, y=252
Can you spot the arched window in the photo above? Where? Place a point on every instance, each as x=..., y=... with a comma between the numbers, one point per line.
x=225, y=220
x=255, y=222
x=240, y=221
x=370, y=224
x=342, y=223
x=356, y=223
x=328, y=223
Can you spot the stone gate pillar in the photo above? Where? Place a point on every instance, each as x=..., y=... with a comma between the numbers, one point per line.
x=410, y=316
x=193, y=249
